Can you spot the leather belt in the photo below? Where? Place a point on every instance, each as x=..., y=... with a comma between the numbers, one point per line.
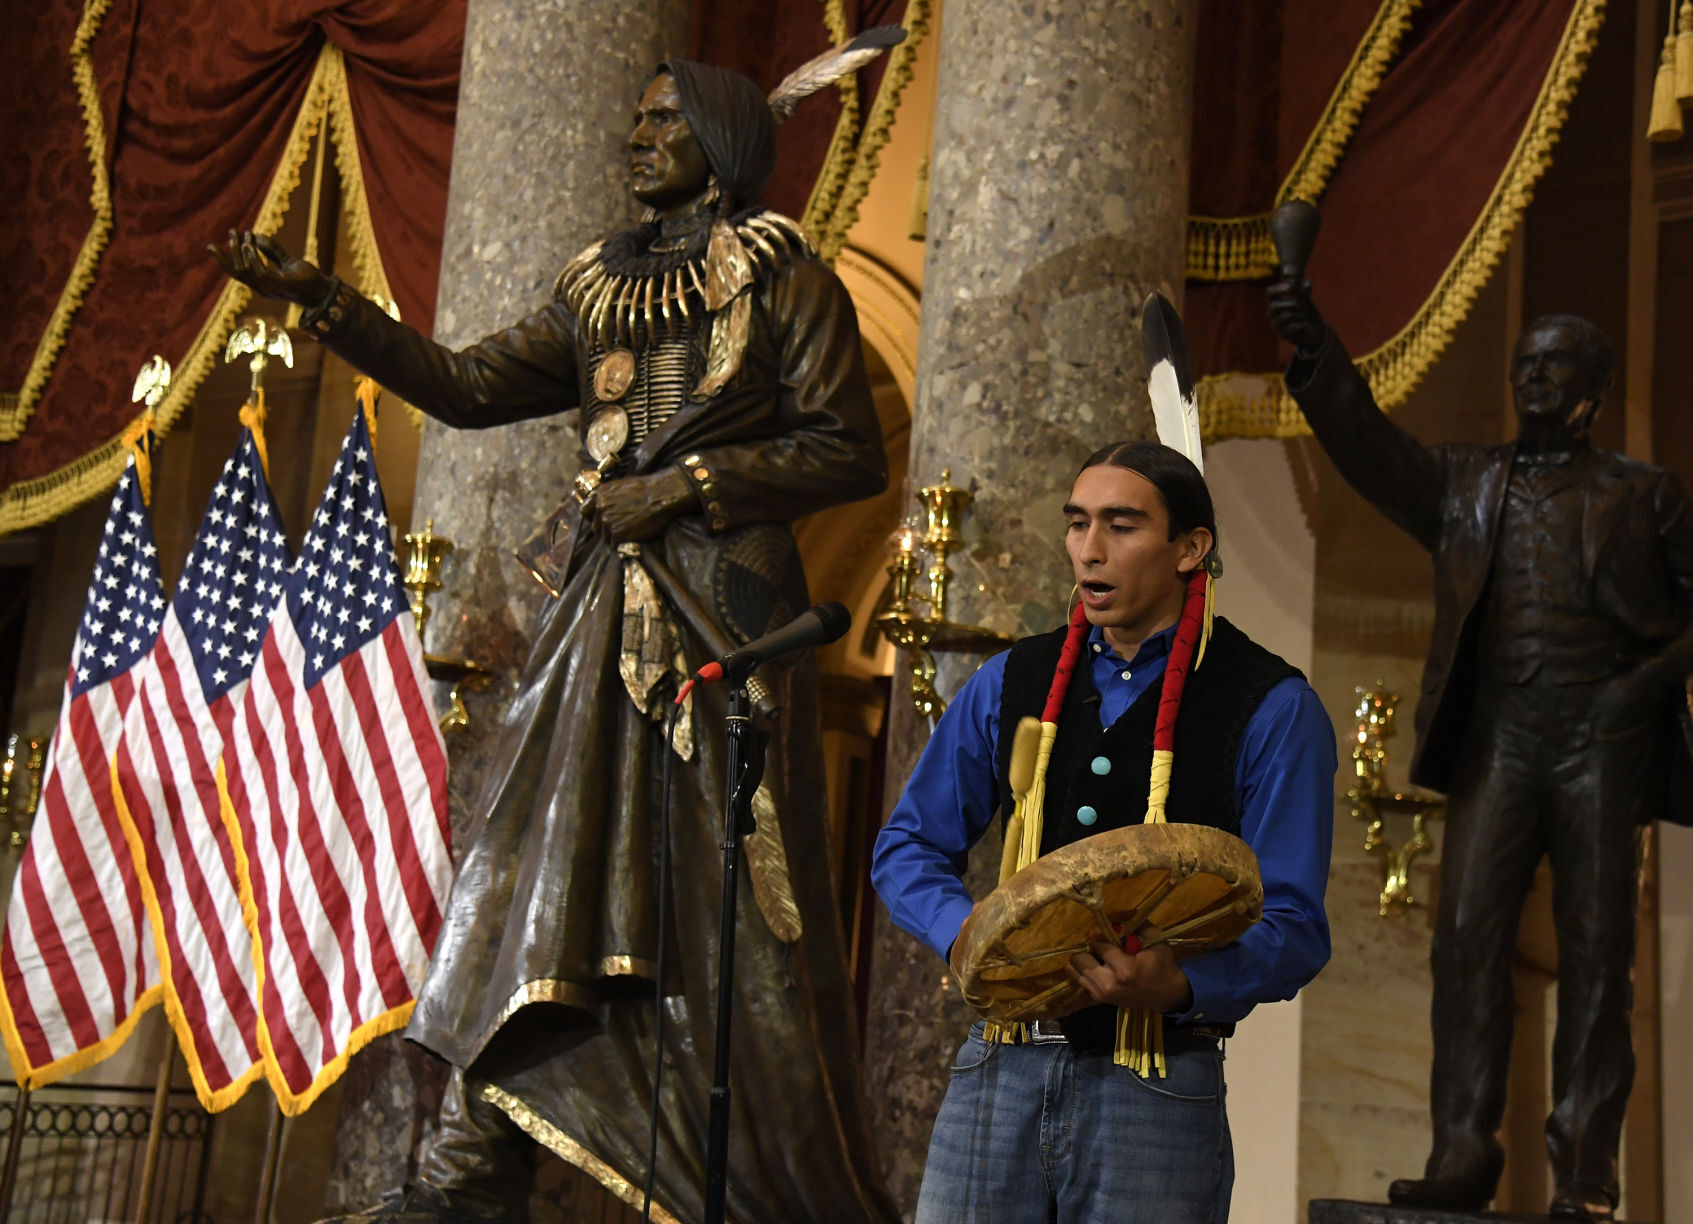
x=1043, y=1032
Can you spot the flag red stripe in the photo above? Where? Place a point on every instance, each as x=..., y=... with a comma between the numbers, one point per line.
x=282, y=1042
x=425, y=731
x=389, y=976
x=74, y=1005
x=412, y=880
x=24, y=1019
x=79, y=872
x=314, y=982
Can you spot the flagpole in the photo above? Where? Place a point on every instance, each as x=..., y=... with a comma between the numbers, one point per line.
x=155, y=1134
x=14, y=1145
x=267, y=1178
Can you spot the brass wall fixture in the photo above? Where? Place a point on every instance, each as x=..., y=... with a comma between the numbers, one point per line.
x=935, y=537
x=1374, y=801
x=424, y=553
x=20, y=784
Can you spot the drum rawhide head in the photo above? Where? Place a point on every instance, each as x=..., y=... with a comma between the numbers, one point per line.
x=1196, y=886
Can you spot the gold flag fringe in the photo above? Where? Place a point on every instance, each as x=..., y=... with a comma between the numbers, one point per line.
x=1241, y=405
x=1239, y=248
x=16, y=408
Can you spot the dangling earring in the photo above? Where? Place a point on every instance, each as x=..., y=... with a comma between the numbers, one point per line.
x=649, y=216
x=713, y=194
x=1075, y=594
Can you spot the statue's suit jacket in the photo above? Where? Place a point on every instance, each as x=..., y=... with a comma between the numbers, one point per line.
x=1636, y=545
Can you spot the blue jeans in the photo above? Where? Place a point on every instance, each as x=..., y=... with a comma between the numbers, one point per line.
x=1042, y=1134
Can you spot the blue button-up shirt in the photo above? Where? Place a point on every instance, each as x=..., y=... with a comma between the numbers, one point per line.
x=1284, y=781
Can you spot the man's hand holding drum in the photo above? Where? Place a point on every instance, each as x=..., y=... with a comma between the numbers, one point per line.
x=1146, y=977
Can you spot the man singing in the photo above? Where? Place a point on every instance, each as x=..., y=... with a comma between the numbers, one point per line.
x=1052, y=1127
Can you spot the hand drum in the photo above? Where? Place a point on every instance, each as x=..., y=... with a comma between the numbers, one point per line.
x=1197, y=885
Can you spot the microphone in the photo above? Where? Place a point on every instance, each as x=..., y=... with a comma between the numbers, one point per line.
x=818, y=627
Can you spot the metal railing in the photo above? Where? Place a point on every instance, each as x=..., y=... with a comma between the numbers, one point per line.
x=82, y=1150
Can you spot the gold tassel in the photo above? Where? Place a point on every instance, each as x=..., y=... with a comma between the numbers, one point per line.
x=252, y=415
x=1684, y=54
x=138, y=439
x=1024, y=749
x=367, y=392
x=1665, y=124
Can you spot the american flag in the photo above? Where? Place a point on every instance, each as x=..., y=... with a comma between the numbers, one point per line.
x=77, y=966
x=168, y=771
x=338, y=781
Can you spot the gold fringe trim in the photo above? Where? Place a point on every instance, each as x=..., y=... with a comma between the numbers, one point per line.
x=865, y=156
x=31, y=502
x=355, y=202
x=1238, y=405
x=15, y=409
x=831, y=180
x=1239, y=248
x=544, y=1132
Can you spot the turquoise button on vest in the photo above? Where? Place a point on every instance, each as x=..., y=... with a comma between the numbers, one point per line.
x=1086, y=814
x=1101, y=765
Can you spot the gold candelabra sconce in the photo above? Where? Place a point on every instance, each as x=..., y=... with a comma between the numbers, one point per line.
x=20, y=785
x=424, y=553
x=1375, y=802
x=920, y=573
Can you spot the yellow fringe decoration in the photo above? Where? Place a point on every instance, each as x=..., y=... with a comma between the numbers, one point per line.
x=367, y=393
x=1684, y=54
x=831, y=213
x=1239, y=248
x=1158, y=788
x=252, y=415
x=138, y=439
x=1665, y=122
x=1031, y=755
x=1238, y=405
x=831, y=180
x=15, y=409
x=31, y=502
x=1140, y=1042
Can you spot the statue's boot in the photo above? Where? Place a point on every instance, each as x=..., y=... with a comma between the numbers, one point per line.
x=1575, y=1202
x=478, y=1169
x=1464, y=1178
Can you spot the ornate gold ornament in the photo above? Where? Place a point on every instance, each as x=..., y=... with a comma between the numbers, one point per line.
x=615, y=375
x=1373, y=801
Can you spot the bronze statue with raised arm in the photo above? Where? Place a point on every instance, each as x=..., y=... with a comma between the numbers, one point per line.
x=1553, y=713
x=715, y=362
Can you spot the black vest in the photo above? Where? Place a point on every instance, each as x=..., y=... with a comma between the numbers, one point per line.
x=1220, y=698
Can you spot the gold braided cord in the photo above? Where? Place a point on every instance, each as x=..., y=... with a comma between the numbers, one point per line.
x=831, y=180
x=866, y=155
x=15, y=408
x=1239, y=248
x=1258, y=406
x=30, y=502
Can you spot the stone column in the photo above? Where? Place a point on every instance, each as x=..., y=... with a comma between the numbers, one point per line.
x=1057, y=201
x=538, y=173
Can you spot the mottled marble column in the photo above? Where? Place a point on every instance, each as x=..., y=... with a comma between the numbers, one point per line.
x=538, y=173
x=1057, y=201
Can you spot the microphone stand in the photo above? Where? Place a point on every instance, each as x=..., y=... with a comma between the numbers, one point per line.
x=744, y=768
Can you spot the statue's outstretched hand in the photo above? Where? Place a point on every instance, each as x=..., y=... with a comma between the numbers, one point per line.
x=1295, y=317
x=264, y=266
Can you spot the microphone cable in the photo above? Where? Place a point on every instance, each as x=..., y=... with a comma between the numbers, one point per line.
x=661, y=960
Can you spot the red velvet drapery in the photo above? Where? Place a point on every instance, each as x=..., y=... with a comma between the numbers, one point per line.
x=199, y=107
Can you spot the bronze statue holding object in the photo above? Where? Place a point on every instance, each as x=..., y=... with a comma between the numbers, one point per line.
x=1554, y=714
x=717, y=367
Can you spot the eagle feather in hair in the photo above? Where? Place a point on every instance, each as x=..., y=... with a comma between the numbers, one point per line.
x=830, y=67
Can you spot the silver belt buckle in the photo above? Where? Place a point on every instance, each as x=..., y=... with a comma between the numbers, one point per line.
x=1044, y=1032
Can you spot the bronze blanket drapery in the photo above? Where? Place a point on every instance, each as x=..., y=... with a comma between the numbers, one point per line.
x=1423, y=154
x=153, y=128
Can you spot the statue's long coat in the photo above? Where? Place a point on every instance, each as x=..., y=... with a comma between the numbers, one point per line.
x=538, y=985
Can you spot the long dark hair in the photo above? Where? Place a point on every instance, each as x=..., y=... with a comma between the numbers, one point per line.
x=1187, y=498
